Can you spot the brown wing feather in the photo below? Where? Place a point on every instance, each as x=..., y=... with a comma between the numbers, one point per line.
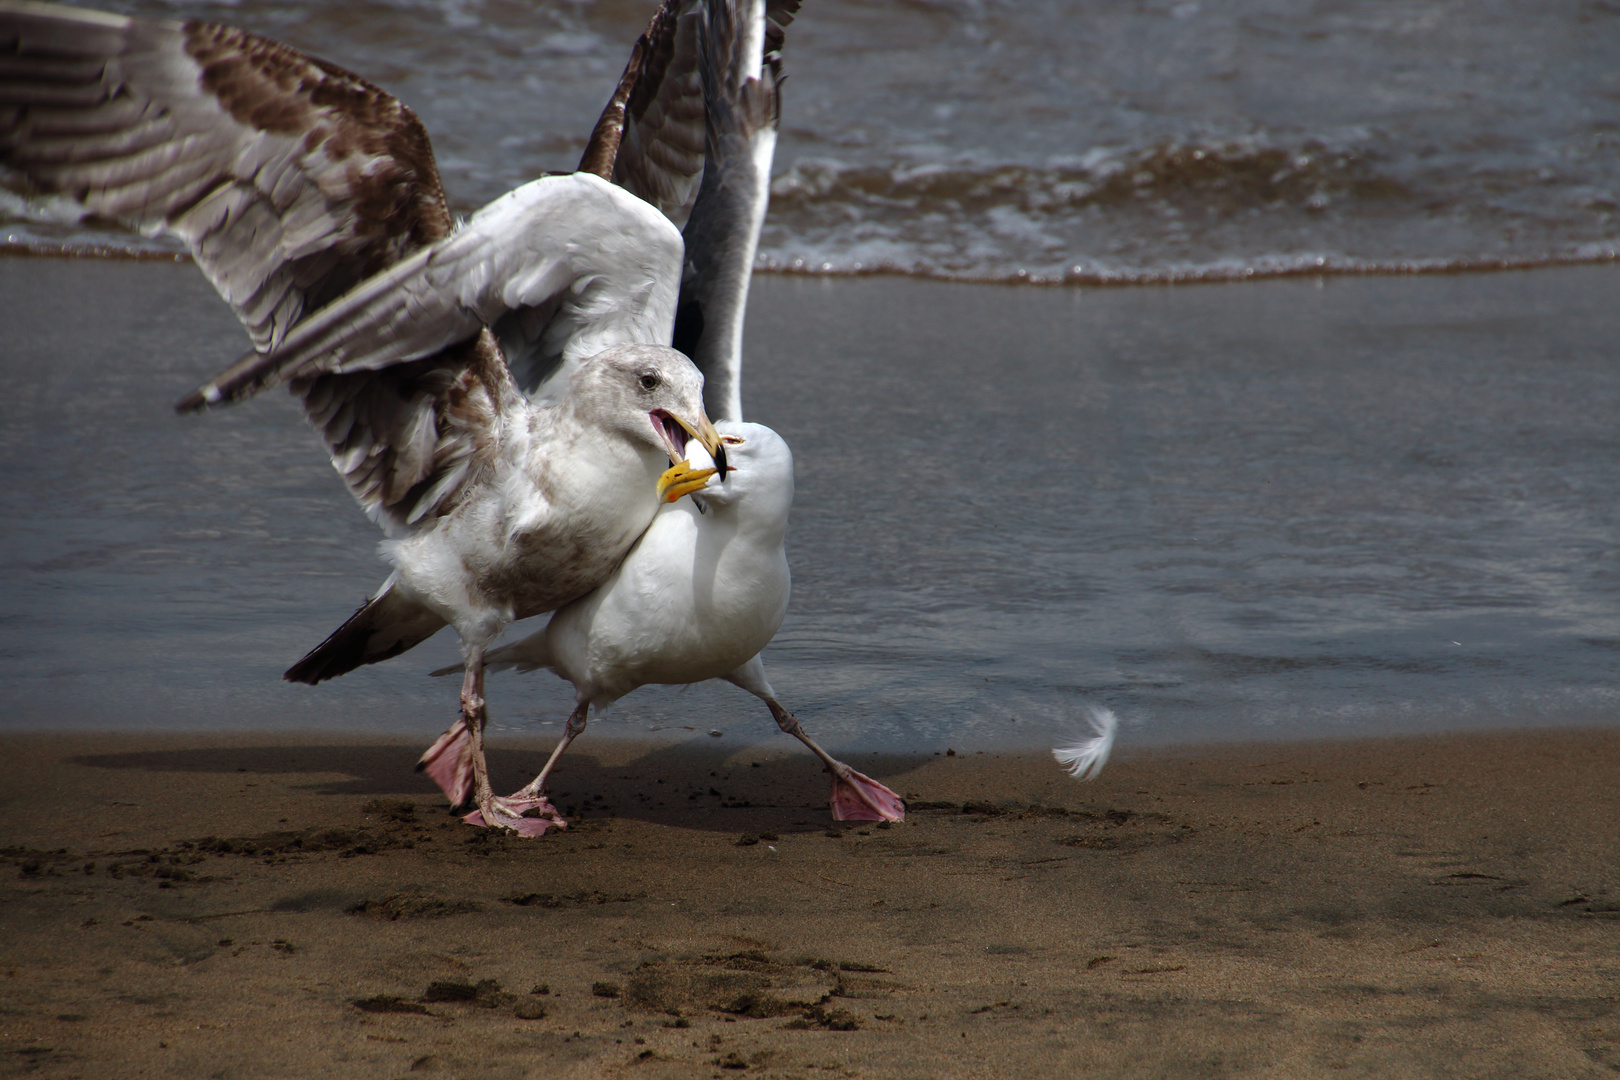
x=603, y=146
x=408, y=439
x=651, y=137
x=290, y=178
x=659, y=151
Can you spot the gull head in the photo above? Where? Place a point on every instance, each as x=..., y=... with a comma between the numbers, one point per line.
x=651, y=394
x=759, y=464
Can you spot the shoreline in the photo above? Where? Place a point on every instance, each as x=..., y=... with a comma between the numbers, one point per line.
x=276, y=906
x=1263, y=268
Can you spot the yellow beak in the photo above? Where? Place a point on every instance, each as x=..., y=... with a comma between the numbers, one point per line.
x=682, y=479
x=705, y=434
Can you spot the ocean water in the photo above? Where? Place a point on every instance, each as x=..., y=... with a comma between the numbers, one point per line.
x=1036, y=140
x=1342, y=506
x=1361, y=501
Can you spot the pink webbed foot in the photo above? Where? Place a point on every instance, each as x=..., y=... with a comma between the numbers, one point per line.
x=860, y=798
x=510, y=811
x=449, y=763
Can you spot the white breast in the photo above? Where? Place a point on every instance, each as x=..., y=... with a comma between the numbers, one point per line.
x=693, y=600
x=698, y=596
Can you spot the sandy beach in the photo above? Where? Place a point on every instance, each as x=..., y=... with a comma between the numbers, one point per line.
x=266, y=903
x=1247, y=370
x=255, y=906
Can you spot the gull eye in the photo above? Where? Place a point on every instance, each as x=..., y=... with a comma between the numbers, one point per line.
x=731, y=440
x=649, y=380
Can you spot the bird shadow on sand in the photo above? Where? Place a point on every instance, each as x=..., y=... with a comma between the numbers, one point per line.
x=694, y=786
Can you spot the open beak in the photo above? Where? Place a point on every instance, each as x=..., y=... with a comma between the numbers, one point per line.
x=675, y=431
x=681, y=480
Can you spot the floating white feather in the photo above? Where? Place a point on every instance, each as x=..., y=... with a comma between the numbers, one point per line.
x=1086, y=758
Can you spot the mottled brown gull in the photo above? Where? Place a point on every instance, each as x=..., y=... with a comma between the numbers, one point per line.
x=498, y=396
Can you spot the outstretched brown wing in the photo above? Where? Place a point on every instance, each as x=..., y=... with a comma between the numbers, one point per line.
x=698, y=101
x=651, y=136
x=290, y=179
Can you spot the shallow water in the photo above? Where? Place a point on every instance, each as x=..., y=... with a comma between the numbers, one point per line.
x=1282, y=509
x=1303, y=508
x=1092, y=141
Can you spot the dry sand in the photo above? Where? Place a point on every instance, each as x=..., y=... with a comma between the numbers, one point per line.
x=271, y=906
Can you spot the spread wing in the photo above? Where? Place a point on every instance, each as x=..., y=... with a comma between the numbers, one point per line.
x=698, y=101
x=310, y=199
x=652, y=137
x=290, y=179
x=559, y=269
x=739, y=59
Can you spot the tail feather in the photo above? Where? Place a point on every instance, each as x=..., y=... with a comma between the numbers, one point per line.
x=530, y=654
x=384, y=627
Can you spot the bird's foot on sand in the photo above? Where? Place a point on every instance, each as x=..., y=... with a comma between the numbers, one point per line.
x=524, y=816
x=449, y=763
x=856, y=797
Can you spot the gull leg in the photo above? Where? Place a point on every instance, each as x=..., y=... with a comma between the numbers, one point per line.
x=536, y=788
x=493, y=810
x=516, y=811
x=473, y=716
x=855, y=797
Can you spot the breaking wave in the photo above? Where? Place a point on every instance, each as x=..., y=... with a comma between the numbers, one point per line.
x=1172, y=212
x=1227, y=176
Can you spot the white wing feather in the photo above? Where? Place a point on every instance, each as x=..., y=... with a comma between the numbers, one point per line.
x=604, y=264
x=1085, y=759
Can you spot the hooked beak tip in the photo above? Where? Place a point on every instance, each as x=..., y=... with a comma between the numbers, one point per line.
x=714, y=444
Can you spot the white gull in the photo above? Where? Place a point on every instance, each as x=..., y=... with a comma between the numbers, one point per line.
x=700, y=594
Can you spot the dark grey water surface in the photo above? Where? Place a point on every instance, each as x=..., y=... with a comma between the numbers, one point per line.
x=1054, y=139
x=1295, y=508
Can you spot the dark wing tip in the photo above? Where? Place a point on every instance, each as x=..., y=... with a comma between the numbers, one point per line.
x=196, y=401
x=226, y=388
x=602, y=149
x=328, y=660
x=778, y=17
x=781, y=12
x=246, y=377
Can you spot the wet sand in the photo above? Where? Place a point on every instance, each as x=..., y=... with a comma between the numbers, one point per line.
x=275, y=905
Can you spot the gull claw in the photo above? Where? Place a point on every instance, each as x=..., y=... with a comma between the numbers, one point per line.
x=857, y=797
x=509, y=813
